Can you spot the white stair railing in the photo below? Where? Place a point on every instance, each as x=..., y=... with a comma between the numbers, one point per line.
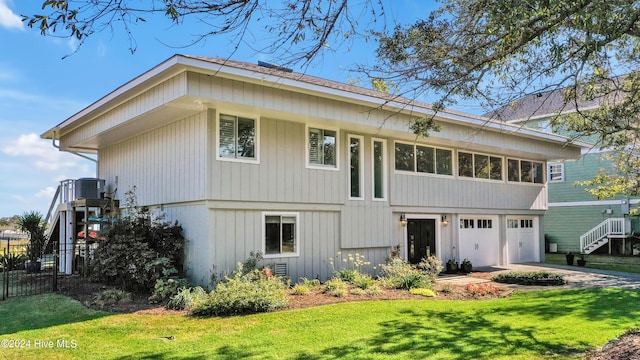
x=608, y=228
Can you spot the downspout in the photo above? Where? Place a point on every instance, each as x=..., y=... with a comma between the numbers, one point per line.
x=53, y=142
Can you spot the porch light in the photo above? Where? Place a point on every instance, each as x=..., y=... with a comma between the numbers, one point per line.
x=403, y=219
x=445, y=221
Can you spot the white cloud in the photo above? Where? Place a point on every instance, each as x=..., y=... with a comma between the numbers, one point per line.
x=41, y=152
x=8, y=18
x=46, y=193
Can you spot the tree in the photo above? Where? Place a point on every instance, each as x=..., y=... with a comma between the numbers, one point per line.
x=32, y=222
x=497, y=51
x=299, y=28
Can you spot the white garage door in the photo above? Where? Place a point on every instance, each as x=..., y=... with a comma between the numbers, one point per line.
x=522, y=239
x=479, y=239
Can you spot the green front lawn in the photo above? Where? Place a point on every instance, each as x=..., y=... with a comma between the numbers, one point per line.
x=529, y=325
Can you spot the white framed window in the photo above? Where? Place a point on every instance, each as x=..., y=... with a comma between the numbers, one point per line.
x=525, y=171
x=555, y=172
x=322, y=148
x=356, y=167
x=379, y=166
x=237, y=138
x=467, y=223
x=280, y=234
x=423, y=159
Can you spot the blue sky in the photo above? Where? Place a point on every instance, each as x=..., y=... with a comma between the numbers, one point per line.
x=40, y=88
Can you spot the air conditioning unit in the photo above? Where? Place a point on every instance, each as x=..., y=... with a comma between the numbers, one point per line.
x=89, y=188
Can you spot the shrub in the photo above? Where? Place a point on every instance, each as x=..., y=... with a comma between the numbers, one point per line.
x=364, y=281
x=482, y=289
x=542, y=278
x=300, y=289
x=186, y=297
x=165, y=289
x=430, y=266
x=335, y=287
x=112, y=296
x=401, y=275
x=422, y=292
x=139, y=249
x=349, y=267
x=244, y=293
x=310, y=283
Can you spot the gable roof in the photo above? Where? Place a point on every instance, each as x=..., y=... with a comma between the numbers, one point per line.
x=276, y=77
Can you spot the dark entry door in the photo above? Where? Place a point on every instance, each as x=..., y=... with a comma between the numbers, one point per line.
x=421, y=239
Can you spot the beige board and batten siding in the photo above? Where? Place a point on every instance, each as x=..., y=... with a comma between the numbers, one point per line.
x=166, y=165
x=128, y=111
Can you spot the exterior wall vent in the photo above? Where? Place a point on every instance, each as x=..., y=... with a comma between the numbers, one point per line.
x=280, y=269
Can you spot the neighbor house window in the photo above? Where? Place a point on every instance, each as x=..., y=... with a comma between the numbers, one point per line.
x=479, y=166
x=237, y=138
x=556, y=172
x=356, y=180
x=280, y=234
x=322, y=147
x=525, y=171
x=423, y=159
x=379, y=169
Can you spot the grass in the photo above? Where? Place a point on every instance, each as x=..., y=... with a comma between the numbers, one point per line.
x=559, y=324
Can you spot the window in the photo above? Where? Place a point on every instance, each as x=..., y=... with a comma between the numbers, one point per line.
x=526, y=223
x=485, y=224
x=556, y=172
x=322, y=147
x=512, y=224
x=422, y=159
x=237, y=138
x=479, y=166
x=379, y=169
x=405, y=157
x=525, y=171
x=280, y=234
x=356, y=180
x=466, y=223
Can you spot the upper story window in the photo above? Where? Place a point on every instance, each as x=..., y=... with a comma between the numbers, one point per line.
x=423, y=159
x=356, y=180
x=479, y=166
x=379, y=169
x=556, y=172
x=525, y=171
x=237, y=138
x=322, y=146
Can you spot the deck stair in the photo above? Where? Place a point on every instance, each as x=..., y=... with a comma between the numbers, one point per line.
x=602, y=233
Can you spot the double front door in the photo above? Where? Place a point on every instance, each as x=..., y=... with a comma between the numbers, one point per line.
x=421, y=239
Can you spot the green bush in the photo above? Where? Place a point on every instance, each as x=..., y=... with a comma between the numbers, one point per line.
x=364, y=281
x=540, y=278
x=165, y=289
x=336, y=287
x=430, y=266
x=186, y=297
x=422, y=292
x=112, y=296
x=139, y=249
x=300, y=289
x=401, y=275
x=244, y=293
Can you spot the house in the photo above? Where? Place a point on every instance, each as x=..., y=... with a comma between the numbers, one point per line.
x=576, y=221
x=249, y=157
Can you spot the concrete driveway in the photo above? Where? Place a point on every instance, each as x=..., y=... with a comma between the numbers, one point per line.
x=576, y=277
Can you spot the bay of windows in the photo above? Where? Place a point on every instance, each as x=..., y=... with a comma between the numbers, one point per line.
x=525, y=171
x=479, y=166
x=423, y=159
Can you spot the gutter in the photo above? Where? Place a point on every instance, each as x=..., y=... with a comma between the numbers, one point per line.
x=53, y=142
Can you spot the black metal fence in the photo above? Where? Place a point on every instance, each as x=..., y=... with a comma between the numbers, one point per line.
x=22, y=276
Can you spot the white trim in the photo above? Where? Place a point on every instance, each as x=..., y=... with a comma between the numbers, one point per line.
x=308, y=165
x=256, y=118
x=385, y=171
x=297, y=239
x=561, y=172
x=592, y=203
x=361, y=166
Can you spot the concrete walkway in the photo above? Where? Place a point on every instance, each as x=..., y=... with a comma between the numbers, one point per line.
x=576, y=277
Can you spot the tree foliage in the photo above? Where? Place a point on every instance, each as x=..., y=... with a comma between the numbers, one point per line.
x=301, y=29
x=497, y=51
